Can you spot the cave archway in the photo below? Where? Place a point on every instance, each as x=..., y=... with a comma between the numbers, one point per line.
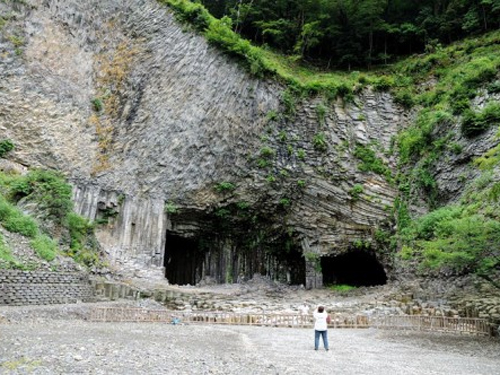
x=355, y=268
x=183, y=260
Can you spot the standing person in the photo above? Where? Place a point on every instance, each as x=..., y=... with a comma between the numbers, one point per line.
x=320, y=327
x=304, y=309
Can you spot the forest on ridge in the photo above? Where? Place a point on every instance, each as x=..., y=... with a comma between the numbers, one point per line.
x=356, y=33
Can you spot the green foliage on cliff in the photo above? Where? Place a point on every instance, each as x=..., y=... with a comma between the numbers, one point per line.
x=49, y=222
x=451, y=239
x=348, y=33
x=263, y=62
x=48, y=190
x=6, y=146
x=475, y=123
x=370, y=162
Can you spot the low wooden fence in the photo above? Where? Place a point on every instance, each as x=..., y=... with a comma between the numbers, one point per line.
x=433, y=323
x=413, y=322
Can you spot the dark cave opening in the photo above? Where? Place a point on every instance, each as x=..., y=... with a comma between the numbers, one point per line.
x=294, y=263
x=355, y=268
x=183, y=260
x=189, y=260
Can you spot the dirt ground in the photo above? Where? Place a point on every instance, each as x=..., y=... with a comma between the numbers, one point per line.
x=58, y=340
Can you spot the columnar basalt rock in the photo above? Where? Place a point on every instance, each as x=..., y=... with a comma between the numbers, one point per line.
x=143, y=115
x=121, y=98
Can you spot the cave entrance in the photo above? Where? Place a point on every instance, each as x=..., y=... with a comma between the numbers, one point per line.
x=183, y=260
x=355, y=268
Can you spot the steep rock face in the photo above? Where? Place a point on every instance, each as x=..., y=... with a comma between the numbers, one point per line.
x=141, y=113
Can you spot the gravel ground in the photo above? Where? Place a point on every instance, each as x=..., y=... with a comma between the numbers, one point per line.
x=58, y=341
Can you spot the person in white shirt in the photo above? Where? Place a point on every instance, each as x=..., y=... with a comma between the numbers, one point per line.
x=320, y=327
x=304, y=309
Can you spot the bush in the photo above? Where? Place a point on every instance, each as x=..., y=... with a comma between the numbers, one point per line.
x=426, y=226
x=6, y=257
x=49, y=190
x=224, y=187
x=6, y=146
x=475, y=123
x=468, y=244
x=417, y=138
x=22, y=224
x=404, y=98
x=370, y=162
x=356, y=192
x=194, y=13
x=80, y=231
x=452, y=239
x=45, y=247
x=15, y=221
x=319, y=142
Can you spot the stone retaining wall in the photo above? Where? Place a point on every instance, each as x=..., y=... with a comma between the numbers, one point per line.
x=44, y=288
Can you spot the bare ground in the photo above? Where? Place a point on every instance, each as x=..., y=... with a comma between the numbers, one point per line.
x=58, y=340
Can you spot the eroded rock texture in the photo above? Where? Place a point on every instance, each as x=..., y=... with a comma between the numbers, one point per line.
x=144, y=115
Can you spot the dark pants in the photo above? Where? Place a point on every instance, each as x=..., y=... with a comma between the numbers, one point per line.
x=324, y=335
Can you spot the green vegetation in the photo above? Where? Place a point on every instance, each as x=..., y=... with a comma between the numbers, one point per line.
x=6, y=146
x=48, y=190
x=48, y=197
x=267, y=152
x=352, y=33
x=171, y=208
x=475, y=123
x=7, y=260
x=341, y=288
x=320, y=143
x=356, y=192
x=453, y=239
x=225, y=187
x=97, y=104
x=264, y=63
x=45, y=247
x=370, y=162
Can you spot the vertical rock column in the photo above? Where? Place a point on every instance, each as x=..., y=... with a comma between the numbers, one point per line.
x=135, y=232
x=314, y=276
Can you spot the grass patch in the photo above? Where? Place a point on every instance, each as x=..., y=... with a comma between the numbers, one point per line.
x=45, y=247
x=341, y=288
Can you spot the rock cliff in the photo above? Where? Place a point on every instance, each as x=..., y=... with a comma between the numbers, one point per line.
x=183, y=158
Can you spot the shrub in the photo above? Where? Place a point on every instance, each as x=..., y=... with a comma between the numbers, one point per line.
x=475, y=123
x=49, y=190
x=404, y=98
x=356, y=192
x=87, y=257
x=194, y=13
x=383, y=83
x=370, y=162
x=224, y=187
x=426, y=226
x=321, y=113
x=418, y=137
x=80, y=230
x=15, y=221
x=319, y=142
x=467, y=244
x=6, y=146
x=267, y=152
x=45, y=247
x=6, y=257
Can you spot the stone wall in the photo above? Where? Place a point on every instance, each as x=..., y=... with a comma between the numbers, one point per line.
x=44, y=288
